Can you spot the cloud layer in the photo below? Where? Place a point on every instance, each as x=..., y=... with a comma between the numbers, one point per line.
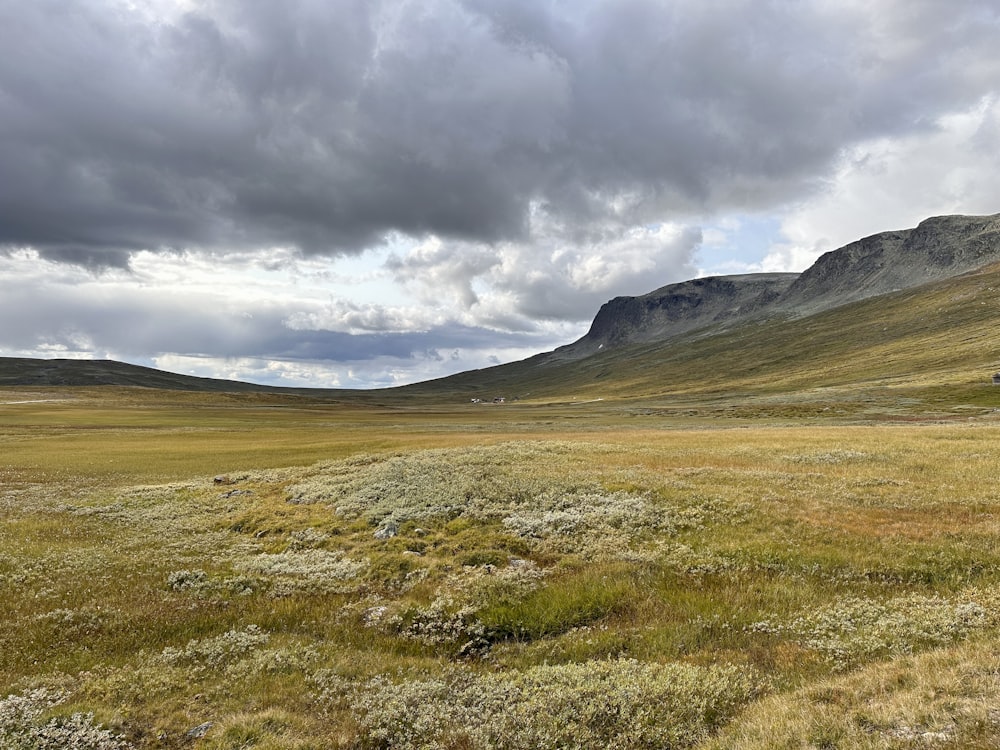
x=504, y=165
x=324, y=125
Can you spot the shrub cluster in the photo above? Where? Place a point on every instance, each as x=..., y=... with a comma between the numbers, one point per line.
x=506, y=484
x=453, y=617
x=218, y=651
x=836, y=456
x=614, y=705
x=857, y=629
x=314, y=570
x=187, y=580
x=443, y=483
x=23, y=727
x=598, y=524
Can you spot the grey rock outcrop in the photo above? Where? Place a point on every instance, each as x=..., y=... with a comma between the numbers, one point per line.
x=387, y=530
x=680, y=308
x=937, y=248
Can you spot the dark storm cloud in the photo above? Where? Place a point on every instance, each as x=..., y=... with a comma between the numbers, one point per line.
x=325, y=124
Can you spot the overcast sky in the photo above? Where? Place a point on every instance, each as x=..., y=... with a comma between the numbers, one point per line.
x=363, y=193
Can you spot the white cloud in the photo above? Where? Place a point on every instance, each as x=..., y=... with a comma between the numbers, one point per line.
x=350, y=317
x=518, y=286
x=241, y=316
x=270, y=372
x=894, y=183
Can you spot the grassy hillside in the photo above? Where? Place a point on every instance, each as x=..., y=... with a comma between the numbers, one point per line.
x=779, y=536
x=85, y=372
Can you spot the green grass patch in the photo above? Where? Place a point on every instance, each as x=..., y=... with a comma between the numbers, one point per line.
x=565, y=602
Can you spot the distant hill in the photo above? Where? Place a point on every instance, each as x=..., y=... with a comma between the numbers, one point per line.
x=96, y=372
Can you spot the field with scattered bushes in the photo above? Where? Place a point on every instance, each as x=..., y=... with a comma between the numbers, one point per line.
x=223, y=572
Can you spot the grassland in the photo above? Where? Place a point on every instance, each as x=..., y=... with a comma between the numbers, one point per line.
x=746, y=574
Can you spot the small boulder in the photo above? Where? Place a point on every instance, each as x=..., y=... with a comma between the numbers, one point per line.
x=199, y=731
x=387, y=530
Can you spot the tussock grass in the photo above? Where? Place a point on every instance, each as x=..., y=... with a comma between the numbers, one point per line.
x=560, y=605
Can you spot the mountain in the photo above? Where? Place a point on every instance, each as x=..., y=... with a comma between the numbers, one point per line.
x=909, y=351
x=939, y=247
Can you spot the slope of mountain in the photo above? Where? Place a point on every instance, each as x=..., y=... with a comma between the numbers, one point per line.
x=679, y=308
x=940, y=336
x=937, y=248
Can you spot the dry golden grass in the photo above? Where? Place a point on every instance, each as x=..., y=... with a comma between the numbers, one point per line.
x=945, y=698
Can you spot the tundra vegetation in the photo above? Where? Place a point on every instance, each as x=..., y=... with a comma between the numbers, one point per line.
x=516, y=576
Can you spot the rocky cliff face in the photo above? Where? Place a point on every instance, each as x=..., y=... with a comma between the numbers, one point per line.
x=680, y=308
x=937, y=248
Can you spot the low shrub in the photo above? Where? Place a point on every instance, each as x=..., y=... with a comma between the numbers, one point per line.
x=23, y=726
x=218, y=651
x=614, y=705
x=855, y=630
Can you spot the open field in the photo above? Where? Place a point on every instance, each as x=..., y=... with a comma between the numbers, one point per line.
x=734, y=572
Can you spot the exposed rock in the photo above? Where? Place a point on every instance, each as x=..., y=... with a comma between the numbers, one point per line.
x=236, y=493
x=861, y=269
x=679, y=308
x=938, y=248
x=387, y=530
x=199, y=731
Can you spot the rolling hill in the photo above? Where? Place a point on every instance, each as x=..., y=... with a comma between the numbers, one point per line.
x=16, y=371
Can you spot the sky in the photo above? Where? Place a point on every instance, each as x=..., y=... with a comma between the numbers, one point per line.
x=369, y=193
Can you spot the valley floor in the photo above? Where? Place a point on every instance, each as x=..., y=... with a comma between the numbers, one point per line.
x=213, y=571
